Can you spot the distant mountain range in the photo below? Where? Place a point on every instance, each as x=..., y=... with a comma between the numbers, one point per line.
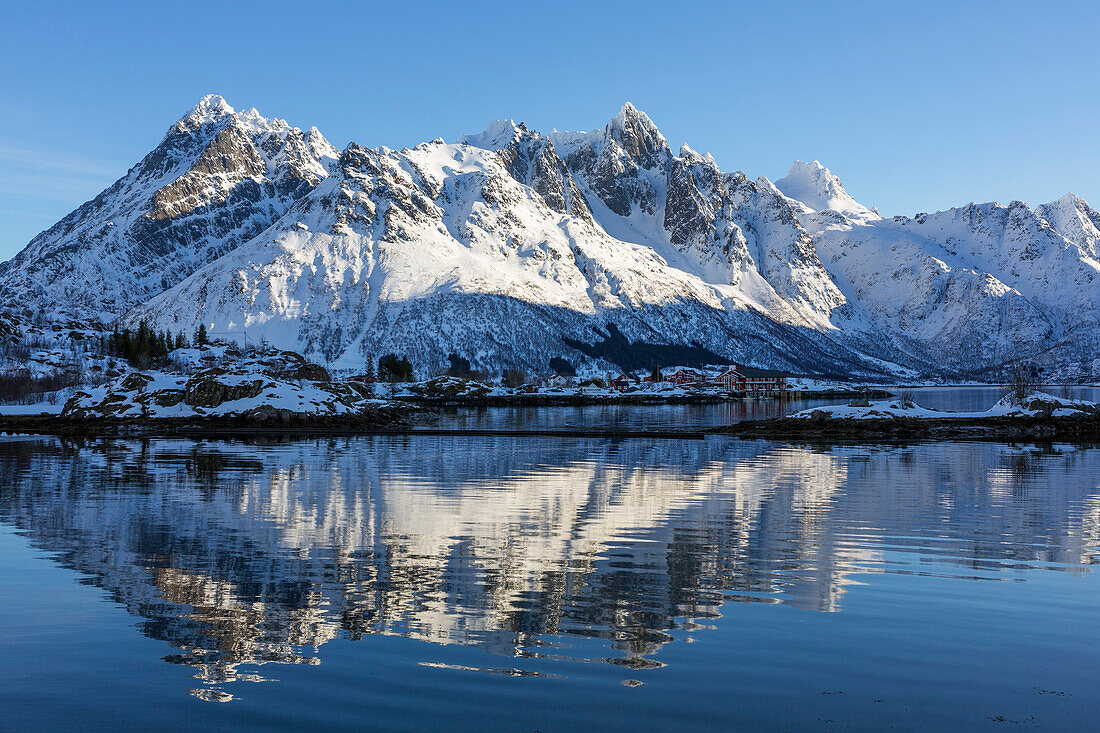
x=503, y=245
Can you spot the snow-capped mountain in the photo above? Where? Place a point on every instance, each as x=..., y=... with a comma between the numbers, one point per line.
x=974, y=285
x=217, y=178
x=813, y=187
x=503, y=243
x=1074, y=219
x=491, y=252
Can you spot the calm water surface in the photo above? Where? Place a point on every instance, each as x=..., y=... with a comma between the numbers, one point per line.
x=976, y=399
x=522, y=584
x=954, y=399
x=629, y=416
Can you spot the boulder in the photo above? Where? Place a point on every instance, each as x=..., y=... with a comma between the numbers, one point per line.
x=208, y=388
x=305, y=370
x=168, y=397
x=135, y=381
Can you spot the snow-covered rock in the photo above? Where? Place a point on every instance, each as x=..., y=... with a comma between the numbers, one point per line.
x=1037, y=404
x=266, y=385
x=1075, y=220
x=814, y=188
x=969, y=287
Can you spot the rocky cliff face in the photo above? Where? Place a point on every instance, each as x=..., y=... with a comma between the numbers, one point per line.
x=217, y=179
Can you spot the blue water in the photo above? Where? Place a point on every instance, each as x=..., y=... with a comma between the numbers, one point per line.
x=977, y=399
x=521, y=584
x=952, y=399
x=692, y=415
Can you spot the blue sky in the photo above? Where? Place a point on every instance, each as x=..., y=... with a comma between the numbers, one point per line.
x=916, y=106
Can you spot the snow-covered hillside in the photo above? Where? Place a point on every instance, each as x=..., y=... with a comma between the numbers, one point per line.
x=497, y=246
x=217, y=178
x=975, y=285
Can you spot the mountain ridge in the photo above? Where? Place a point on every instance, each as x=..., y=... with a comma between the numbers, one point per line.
x=502, y=243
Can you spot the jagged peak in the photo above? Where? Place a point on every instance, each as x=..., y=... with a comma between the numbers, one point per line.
x=817, y=188
x=253, y=116
x=635, y=132
x=210, y=108
x=213, y=110
x=815, y=173
x=689, y=155
x=763, y=183
x=499, y=134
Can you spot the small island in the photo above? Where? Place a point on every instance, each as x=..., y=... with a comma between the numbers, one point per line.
x=1030, y=416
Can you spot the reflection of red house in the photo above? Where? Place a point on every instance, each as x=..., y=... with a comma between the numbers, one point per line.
x=750, y=379
x=623, y=382
x=686, y=376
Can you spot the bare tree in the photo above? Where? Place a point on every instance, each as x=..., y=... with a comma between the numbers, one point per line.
x=1021, y=381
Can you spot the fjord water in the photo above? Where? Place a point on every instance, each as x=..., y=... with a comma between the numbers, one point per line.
x=487, y=583
x=699, y=415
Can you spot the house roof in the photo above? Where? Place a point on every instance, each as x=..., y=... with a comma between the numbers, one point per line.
x=754, y=372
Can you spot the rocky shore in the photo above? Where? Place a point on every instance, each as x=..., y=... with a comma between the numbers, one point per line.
x=262, y=421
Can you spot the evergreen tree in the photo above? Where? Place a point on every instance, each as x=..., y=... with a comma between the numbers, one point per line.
x=200, y=335
x=460, y=367
x=562, y=367
x=392, y=369
x=141, y=348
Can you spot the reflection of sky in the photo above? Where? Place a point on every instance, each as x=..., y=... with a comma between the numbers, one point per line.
x=243, y=554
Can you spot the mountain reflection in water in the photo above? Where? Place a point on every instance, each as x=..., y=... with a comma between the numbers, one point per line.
x=242, y=554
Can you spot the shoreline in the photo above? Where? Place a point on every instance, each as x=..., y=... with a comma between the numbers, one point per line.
x=399, y=423
x=542, y=399
x=313, y=427
x=888, y=429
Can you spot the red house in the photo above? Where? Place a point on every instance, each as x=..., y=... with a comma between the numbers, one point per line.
x=763, y=380
x=687, y=376
x=623, y=382
x=731, y=380
x=752, y=380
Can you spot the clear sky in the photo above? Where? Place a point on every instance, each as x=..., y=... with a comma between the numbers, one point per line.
x=916, y=106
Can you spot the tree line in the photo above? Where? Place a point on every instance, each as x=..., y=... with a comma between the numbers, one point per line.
x=145, y=346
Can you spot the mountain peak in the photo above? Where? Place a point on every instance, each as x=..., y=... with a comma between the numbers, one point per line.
x=817, y=188
x=690, y=155
x=499, y=134
x=635, y=132
x=210, y=108
x=1070, y=200
x=814, y=172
